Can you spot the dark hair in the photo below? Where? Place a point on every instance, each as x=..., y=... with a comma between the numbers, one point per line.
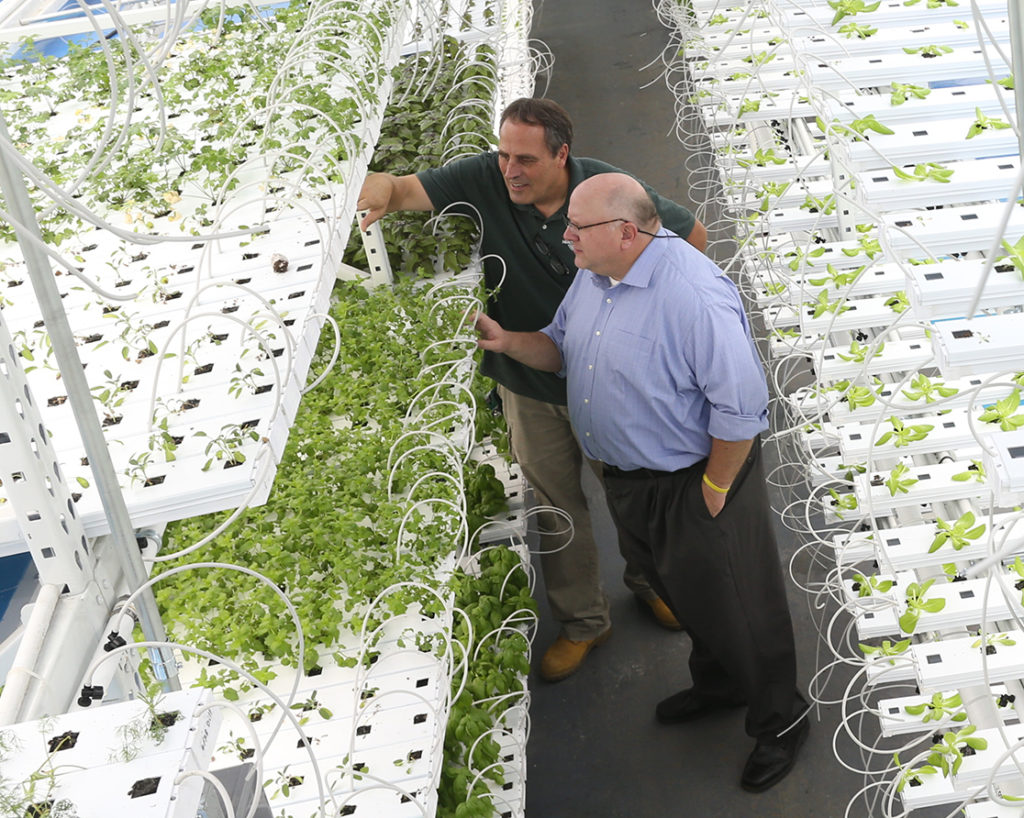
x=552, y=116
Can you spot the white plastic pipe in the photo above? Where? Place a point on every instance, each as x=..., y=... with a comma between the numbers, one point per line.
x=23, y=671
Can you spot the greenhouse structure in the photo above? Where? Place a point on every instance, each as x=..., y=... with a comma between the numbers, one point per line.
x=264, y=549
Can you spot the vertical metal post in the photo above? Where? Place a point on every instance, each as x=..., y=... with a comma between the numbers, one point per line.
x=15, y=194
x=1016, y=9
x=376, y=253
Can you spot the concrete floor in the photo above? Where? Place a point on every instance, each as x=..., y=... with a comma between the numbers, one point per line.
x=595, y=749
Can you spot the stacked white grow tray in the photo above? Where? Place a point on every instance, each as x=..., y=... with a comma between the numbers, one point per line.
x=866, y=156
x=203, y=365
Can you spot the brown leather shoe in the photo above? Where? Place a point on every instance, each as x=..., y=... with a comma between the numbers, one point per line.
x=662, y=613
x=565, y=656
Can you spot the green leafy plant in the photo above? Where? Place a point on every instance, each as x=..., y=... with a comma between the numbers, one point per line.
x=859, y=30
x=750, y=105
x=760, y=58
x=918, y=604
x=762, y=158
x=860, y=396
x=975, y=472
x=939, y=708
x=845, y=8
x=958, y=534
x=842, y=502
x=924, y=172
x=1015, y=254
x=837, y=278
x=897, y=483
x=901, y=92
x=771, y=190
x=859, y=352
x=868, y=245
x=898, y=302
x=866, y=586
x=948, y=754
x=992, y=639
x=985, y=123
x=799, y=256
x=888, y=649
x=1004, y=412
x=825, y=205
x=869, y=122
x=929, y=50
x=902, y=435
x=822, y=305
x=924, y=387
x=911, y=776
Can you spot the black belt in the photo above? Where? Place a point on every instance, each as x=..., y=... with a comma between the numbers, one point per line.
x=637, y=474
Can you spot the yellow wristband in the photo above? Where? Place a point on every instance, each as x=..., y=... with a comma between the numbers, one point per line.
x=713, y=487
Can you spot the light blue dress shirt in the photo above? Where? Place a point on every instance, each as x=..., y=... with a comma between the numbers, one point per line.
x=660, y=363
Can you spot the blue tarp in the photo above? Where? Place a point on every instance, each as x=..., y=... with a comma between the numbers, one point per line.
x=58, y=46
x=12, y=569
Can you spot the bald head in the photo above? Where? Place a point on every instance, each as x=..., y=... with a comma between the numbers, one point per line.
x=611, y=211
x=622, y=195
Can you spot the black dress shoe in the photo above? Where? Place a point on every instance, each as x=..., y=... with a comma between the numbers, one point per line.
x=690, y=705
x=773, y=757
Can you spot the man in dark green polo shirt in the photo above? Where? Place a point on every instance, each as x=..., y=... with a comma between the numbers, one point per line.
x=521, y=193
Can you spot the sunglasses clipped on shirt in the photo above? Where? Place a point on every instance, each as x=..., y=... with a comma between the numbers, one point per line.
x=553, y=261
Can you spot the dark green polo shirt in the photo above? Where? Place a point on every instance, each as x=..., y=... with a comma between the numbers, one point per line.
x=540, y=267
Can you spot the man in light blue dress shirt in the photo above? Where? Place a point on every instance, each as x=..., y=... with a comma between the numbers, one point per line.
x=666, y=389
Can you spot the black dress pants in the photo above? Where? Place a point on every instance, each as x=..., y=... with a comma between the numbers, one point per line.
x=722, y=579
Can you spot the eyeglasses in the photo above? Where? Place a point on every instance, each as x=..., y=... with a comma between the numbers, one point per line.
x=578, y=228
x=553, y=261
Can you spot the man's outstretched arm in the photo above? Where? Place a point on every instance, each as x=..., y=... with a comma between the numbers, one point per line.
x=383, y=193
x=534, y=349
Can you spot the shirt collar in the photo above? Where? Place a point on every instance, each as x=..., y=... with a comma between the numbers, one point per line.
x=642, y=271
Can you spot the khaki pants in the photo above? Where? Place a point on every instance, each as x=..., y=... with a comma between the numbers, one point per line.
x=543, y=443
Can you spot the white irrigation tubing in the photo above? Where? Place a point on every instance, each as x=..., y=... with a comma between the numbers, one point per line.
x=268, y=463
x=310, y=204
x=334, y=354
x=285, y=708
x=261, y=339
x=456, y=482
x=456, y=457
x=257, y=748
x=364, y=636
x=569, y=531
x=463, y=528
x=457, y=464
x=436, y=219
x=993, y=253
x=504, y=628
x=65, y=200
x=296, y=622
x=381, y=784
x=271, y=312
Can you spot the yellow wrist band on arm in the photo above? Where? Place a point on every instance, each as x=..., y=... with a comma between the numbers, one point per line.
x=713, y=487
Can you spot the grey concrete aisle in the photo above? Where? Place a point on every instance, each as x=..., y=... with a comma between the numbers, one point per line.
x=595, y=749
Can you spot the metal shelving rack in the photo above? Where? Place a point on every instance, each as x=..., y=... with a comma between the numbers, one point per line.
x=244, y=308
x=868, y=230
